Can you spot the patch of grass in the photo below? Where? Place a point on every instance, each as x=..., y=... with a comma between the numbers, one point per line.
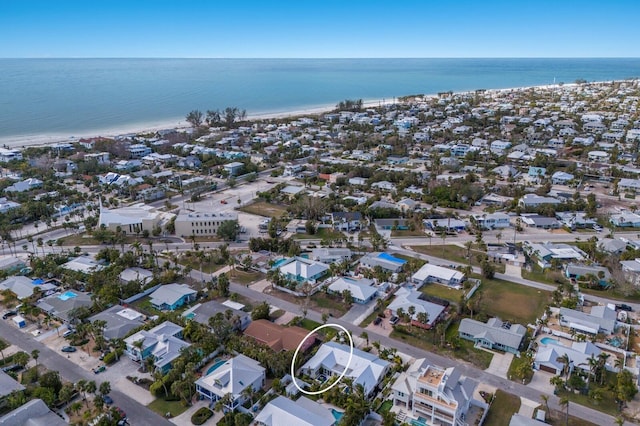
x=426, y=340
x=3, y=344
x=455, y=254
x=328, y=333
x=503, y=407
x=443, y=292
x=245, y=277
x=262, y=208
x=511, y=301
x=513, y=368
x=162, y=407
x=545, y=276
x=407, y=233
x=385, y=407
x=322, y=234
x=557, y=418
x=606, y=405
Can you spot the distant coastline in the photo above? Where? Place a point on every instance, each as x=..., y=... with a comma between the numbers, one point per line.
x=181, y=124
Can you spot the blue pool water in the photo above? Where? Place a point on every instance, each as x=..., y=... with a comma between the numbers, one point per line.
x=550, y=341
x=615, y=342
x=279, y=262
x=337, y=414
x=217, y=364
x=190, y=315
x=420, y=422
x=67, y=295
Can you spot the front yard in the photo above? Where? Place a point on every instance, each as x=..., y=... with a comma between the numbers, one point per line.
x=162, y=407
x=502, y=408
x=262, y=208
x=455, y=254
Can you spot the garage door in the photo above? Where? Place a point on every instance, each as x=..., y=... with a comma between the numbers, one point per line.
x=548, y=369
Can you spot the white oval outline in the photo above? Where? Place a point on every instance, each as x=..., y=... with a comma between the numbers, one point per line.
x=295, y=355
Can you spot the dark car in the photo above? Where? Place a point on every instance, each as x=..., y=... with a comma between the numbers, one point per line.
x=377, y=321
x=68, y=349
x=107, y=399
x=99, y=369
x=9, y=314
x=624, y=307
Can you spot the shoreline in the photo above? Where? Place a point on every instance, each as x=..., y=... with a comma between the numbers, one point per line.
x=43, y=140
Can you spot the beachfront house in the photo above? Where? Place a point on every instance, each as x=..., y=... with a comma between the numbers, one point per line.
x=494, y=334
x=231, y=377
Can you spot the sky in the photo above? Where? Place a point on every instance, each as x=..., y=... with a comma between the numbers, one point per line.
x=318, y=29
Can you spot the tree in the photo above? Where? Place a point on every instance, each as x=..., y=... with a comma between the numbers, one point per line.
x=545, y=400
x=566, y=364
x=347, y=297
x=98, y=402
x=194, y=118
x=21, y=358
x=564, y=401
x=260, y=311
x=35, y=354
x=228, y=230
x=422, y=318
x=365, y=335
x=105, y=388
x=488, y=269
x=625, y=387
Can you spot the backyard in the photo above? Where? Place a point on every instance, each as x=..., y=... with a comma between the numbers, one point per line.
x=443, y=292
x=502, y=408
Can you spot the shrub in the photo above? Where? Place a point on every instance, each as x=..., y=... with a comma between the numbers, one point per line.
x=110, y=358
x=201, y=416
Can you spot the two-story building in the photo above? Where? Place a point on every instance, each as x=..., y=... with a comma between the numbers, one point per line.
x=163, y=343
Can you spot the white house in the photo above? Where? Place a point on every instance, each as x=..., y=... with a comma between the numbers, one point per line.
x=432, y=395
x=492, y=220
x=548, y=355
x=430, y=273
x=301, y=269
x=362, y=290
x=232, y=377
x=561, y=178
x=331, y=359
x=600, y=319
x=303, y=412
x=406, y=298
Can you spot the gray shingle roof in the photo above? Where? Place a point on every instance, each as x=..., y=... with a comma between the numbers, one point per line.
x=493, y=331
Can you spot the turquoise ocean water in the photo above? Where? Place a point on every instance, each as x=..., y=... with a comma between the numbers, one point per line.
x=65, y=97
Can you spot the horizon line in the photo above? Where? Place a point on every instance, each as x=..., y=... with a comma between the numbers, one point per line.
x=321, y=57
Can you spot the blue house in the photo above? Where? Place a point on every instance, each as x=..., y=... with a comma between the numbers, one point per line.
x=537, y=172
x=171, y=296
x=578, y=272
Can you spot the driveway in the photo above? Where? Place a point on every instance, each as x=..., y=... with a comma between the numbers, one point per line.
x=358, y=313
x=500, y=364
x=540, y=382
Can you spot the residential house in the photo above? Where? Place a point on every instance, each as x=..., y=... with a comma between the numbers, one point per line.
x=202, y=312
x=578, y=272
x=506, y=171
x=139, y=150
x=561, y=178
x=232, y=377
x=434, y=396
x=448, y=224
x=492, y=220
x=332, y=358
x=143, y=276
x=405, y=298
x=492, y=199
x=233, y=168
x=280, y=338
x=8, y=385
x=548, y=357
x=7, y=155
x=625, y=219
x=629, y=185
x=407, y=205
x=384, y=260
x=494, y=334
x=392, y=224
x=346, y=221
x=25, y=185
x=120, y=321
x=499, y=147
x=545, y=252
x=23, y=287
x=612, y=245
x=575, y=220
x=362, y=290
x=201, y=223
x=12, y=264
x=170, y=297
x=331, y=255
x=32, y=413
x=64, y=306
x=6, y=205
x=84, y=264
x=538, y=221
x=599, y=156
x=384, y=185
x=302, y=270
x=430, y=273
x=534, y=201
x=600, y=319
x=163, y=343
x=302, y=412
x=536, y=173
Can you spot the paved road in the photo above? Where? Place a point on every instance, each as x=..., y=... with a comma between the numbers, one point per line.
x=138, y=414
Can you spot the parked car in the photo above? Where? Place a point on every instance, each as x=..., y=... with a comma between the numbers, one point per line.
x=103, y=354
x=107, y=399
x=68, y=349
x=624, y=307
x=9, y=314
x=99, y=369
x=377, y=321
x=223, y=201
x=68, y=333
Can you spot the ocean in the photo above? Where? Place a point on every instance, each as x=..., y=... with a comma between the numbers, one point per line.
x=57, y=99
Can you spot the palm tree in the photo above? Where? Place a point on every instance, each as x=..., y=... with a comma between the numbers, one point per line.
x=138, y=345
x=105, y=388
x=35, y=354
x=566, y=361
x=564, y=401
x=545, y=400
x=365, y=336
x=602, y=361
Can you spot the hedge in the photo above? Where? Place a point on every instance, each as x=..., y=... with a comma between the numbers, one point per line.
x=201, y=416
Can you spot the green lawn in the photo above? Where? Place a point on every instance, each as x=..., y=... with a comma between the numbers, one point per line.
x=511, y=301
x=328, y=333
x=386, y=406
x=3, y=344
x=546, y=276
x=455, y=254
x=162, y=407
x=443, y=292
x=407, y=233
x=322, y=234
x=503, y=407
x=207, y=267
x=245, y=277
x=425, y=339
x=513, y=368
x=262, y=208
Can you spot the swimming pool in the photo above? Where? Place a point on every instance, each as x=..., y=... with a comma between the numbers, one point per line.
x=279, y=262
x=550, y=341
x=337, y=414
x=67, y=295
x=217, y=364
